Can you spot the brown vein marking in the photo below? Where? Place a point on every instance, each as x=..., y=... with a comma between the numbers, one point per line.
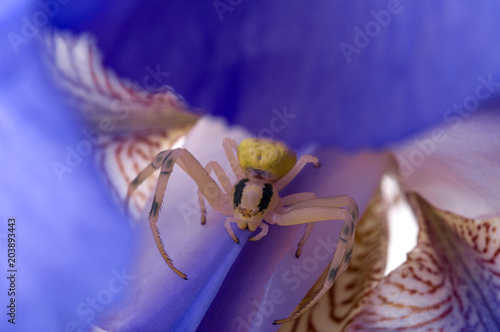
x=457, y=296
x=428, y=263
x=493, y=258
x=414, y=309
x=129, y=91
x=148, y=141
x=487, y=239
x=92, y=71
x=142, y=154
x=415, y=276
x=403, y=288
x=112, y=91
x=431, y=255
x=138, y=168
x=119, y=162
x=421, y=324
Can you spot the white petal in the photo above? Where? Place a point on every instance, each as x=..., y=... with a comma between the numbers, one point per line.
x=456, y=167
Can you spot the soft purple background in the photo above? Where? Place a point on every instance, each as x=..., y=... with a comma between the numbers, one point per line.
x=266, y=55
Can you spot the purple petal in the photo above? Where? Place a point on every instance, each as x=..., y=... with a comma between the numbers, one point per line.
x=411, y=61
x=71, y=242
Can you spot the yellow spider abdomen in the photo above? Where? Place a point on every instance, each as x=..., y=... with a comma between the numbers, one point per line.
x=265, y=158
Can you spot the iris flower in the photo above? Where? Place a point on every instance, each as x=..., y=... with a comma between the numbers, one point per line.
x=387, y=87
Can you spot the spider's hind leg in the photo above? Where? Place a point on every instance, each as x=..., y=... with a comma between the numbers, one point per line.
x=294, y=199
x=321, y=209
x=308, y=232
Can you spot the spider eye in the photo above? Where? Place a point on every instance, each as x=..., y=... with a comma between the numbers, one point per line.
x=274, y=159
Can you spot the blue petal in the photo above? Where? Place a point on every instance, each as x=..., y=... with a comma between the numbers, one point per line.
x=243, y=63
x=71, y=243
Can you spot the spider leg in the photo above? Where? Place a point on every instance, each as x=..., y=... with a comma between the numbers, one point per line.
x=308, y=232
x=297, y=198
x=227, y=224
x=328, y=208
x=229, y=147
x=161, y=186
x=224, y=181
x=264, y=229
x=304, y=160
x=143, y=175
x=209, y=188
x=294, y=199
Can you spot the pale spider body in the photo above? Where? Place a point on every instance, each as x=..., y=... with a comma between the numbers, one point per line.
x=262, y=167
x=251, y=200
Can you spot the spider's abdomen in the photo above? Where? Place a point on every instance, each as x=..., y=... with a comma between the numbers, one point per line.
x=252, y=199
x=265, y=159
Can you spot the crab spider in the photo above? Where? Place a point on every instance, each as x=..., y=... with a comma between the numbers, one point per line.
x=262, y=167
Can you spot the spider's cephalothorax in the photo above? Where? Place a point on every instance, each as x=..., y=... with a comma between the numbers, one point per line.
x=251, y=200
x=262, y=168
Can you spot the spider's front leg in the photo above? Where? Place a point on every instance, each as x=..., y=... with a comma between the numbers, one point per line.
x=208, y=187
x=320, y=209
x=224, y=181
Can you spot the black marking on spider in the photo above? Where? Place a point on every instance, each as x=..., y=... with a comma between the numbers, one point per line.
x=155, y=208
x=347, y=257
x=332, y=274
x=347, y=230
x=169, y=163
x=165, y=172
x=159, y=159
x=267, y=194
x=238, y=192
